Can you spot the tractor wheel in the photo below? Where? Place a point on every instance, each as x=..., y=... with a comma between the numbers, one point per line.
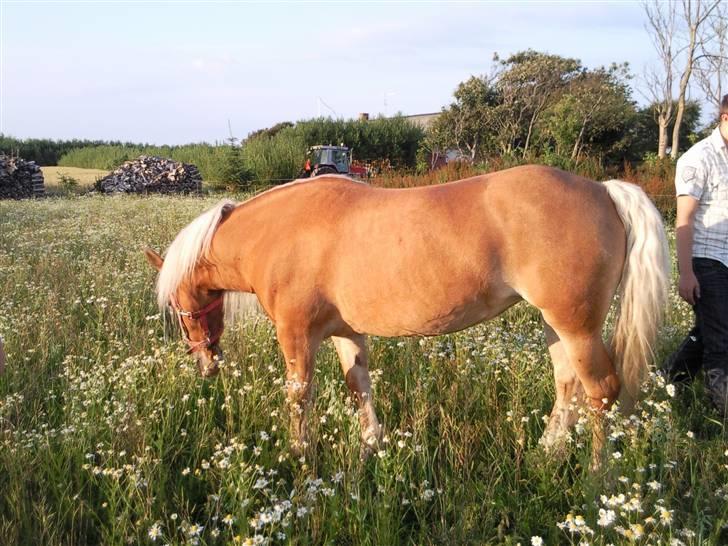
x=320, y=171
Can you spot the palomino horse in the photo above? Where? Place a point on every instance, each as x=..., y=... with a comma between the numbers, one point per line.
x=330, y=257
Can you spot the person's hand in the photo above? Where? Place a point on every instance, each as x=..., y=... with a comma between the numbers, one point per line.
x=689, y=287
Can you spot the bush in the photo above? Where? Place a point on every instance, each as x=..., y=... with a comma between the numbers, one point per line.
x=656, y=177
x=67, y=182
x=229, y=170
x=276, y=159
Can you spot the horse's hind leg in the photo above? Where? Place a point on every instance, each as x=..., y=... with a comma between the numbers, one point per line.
x=299, y=349
x=352, y=353
x=593, y=367
x=569, y=395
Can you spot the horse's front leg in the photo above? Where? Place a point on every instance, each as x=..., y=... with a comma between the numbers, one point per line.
x=352, y=353
x=299, y=349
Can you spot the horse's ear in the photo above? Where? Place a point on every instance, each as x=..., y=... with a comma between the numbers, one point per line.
x=153, y=258
x=227, y=208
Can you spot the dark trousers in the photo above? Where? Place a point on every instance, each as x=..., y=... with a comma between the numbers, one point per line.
x=706, y=345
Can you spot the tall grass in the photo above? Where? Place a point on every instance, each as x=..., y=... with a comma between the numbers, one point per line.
x=274, y=160
x=108, y=435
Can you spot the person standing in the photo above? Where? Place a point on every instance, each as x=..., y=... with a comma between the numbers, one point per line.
x=701, y=183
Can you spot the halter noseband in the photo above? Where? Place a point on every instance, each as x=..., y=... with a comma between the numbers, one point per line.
x=200, y=315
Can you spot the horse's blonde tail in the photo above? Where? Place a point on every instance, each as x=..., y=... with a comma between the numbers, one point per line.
x=643, y=290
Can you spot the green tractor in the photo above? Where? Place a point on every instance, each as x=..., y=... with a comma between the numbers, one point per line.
x=330, y=160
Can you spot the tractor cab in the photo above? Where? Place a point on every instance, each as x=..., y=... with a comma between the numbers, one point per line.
x=327, y=160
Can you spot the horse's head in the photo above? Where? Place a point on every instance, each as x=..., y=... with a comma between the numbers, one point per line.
x=200, y=315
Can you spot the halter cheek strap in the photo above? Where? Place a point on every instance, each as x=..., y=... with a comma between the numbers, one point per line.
x=201, y=315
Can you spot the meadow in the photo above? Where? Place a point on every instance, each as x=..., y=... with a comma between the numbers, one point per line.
x=70, y=178
x=109, y=436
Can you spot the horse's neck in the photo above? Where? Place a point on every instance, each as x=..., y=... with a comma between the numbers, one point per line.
x=229, y=256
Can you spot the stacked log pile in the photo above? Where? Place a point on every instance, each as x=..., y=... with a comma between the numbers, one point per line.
x=20, y=179
x=151, y=174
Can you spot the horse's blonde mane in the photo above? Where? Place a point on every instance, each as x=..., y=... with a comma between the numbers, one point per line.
x=190, y=245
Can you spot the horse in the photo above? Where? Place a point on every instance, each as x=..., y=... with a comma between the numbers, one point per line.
x=330, y=257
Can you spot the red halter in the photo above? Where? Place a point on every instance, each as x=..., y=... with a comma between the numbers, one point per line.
x=200, y=315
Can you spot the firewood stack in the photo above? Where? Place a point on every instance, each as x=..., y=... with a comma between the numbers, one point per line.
x=20, y=179
x=151, y=174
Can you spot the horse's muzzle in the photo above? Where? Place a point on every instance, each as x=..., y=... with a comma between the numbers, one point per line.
x=208, y=361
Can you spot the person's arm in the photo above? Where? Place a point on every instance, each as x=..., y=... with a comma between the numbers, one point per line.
x=688, y=286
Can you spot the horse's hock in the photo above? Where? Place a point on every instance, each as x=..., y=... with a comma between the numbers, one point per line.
x=20, y=179
x=151, y=174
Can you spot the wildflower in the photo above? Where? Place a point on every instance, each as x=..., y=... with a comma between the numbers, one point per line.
x=637, y=530
x=186, y=471
x=690, y=434
x=654, y=485
x=606, y=517
x=665, y=517
x=194, y=530
x=670, y=388
x=228, y=520
x=617, y=455
x=155, y=531
x=260, y=484
x=536, y=541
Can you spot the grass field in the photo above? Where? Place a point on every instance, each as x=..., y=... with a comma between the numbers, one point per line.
x=108, y=435
x=84, y=177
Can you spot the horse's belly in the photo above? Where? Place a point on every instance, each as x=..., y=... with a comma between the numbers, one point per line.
x=407, y=319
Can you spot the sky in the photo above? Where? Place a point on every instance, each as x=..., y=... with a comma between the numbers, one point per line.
x=178, y=72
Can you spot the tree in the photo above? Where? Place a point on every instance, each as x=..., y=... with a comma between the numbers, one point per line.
x=676, y=39
x=711, y=70
x=642, y=132
x=661, y=20
x=527, y=83
x=591, y=112
x=469, y=121
x=695, y=13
